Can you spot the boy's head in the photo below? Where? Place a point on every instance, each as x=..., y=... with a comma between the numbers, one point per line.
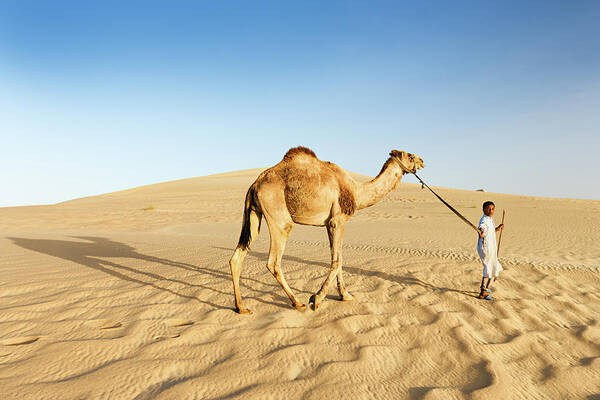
x=488, y=208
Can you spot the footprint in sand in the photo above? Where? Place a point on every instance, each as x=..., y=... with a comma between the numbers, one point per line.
x=161, y=337
x=19, y=340
x=178, y=322
x=174, y=322
x=103, y=324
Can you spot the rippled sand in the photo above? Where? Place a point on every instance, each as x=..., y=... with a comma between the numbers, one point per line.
x=128, y=296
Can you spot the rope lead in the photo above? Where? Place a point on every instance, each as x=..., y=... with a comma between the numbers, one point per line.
x=466, y=221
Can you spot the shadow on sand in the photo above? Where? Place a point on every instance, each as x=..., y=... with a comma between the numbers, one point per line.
x=403, y=280
x=95, y=250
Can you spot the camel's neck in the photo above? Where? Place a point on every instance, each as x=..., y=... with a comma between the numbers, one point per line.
x=371, y=192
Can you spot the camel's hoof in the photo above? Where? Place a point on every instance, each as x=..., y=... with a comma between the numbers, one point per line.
x=242, y=310
x=314, y=302
x=346, y=297
x=300, y=307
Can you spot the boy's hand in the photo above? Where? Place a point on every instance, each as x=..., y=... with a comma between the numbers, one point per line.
x=500, y=227
x=480, y=231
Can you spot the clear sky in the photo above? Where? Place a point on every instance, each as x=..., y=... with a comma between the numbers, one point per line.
x=107, y=95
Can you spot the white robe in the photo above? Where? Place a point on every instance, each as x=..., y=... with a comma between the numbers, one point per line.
x=487, y=248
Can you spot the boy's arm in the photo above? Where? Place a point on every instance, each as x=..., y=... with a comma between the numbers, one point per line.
x=500, y=227
x=483, y=227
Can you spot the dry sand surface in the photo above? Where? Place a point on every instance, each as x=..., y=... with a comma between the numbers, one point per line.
x=128, y=295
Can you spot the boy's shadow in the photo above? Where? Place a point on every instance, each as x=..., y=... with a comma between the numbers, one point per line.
x=403, y=280
x=95, y=250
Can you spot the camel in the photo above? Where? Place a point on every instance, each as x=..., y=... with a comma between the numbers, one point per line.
x=304, y=190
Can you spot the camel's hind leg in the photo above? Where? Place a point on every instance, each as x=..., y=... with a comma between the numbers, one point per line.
x=280, y=232
x=238, y=258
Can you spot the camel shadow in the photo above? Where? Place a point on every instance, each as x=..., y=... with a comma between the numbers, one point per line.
x=264, y=256
x=403, y=280
x=409, y=280
x=93, y=253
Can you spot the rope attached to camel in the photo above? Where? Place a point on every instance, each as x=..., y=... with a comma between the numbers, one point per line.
x=447, y=205
x=459, y=215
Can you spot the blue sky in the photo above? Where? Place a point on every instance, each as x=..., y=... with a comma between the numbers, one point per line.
x=103, y=96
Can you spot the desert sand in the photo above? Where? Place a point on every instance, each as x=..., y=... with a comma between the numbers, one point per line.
x=128, y=295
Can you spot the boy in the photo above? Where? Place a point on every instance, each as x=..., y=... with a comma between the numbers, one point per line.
x=486, y=247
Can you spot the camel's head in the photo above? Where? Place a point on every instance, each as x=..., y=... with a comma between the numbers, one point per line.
x=408, y=162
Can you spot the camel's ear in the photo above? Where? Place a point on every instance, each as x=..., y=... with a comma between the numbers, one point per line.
x=398, y=153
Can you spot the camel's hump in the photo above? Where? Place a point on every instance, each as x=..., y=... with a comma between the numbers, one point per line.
x=300, y=150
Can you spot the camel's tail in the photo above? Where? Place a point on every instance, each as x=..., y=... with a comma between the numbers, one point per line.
x=252, y=218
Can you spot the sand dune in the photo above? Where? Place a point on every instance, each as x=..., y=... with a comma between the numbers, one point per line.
x=128, y=295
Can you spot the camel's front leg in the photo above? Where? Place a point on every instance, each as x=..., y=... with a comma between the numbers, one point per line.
x=335, y=231
x=344, y=294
